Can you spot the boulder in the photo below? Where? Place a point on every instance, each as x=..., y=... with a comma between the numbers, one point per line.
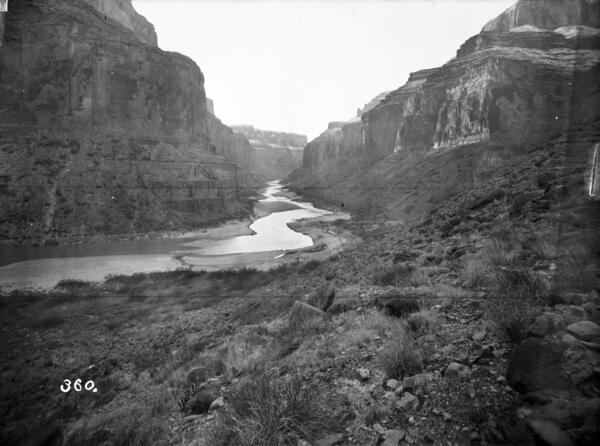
x=547, y=433
x=345, y=299
x=392, y=384
x=457, y=371
x=585, y=330
x=392, y=437
x=535, y=364
x=413, y=382
x=217, y=404
x=303, y=315
x=408, y=402
x=330, y=440
x=545, y=324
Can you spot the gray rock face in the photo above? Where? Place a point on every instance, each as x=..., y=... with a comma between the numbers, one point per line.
x=585, y=330
x=103, y=133
x=442, y=131
x=277, y=153
x=123, y=12
x=535, y=364
x=546, y=14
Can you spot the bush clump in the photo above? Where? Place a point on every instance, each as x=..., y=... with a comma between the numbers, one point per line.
x=399, y=356
x=269, y=411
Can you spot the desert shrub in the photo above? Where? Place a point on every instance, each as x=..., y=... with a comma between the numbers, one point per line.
x=419, y=278
x=422, y=323
x=510, y=316
x=399, y=357
x=577, y=270
x=244, y=353
x=269, y=411
x=392, y=275
x=128, y=426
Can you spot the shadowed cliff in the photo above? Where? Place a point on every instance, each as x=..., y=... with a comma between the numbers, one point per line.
x=103, y=132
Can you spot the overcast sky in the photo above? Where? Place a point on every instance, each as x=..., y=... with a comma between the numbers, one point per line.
x=296, y=65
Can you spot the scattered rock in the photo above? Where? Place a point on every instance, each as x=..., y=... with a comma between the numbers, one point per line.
x=389, y=395
x=415, y=381
x=217, y=404
x=457, y=371
x=363, y=374
x=378, y=428
x=392, y=437
x=303, y=315
x=535, y=364
x=545, y=324
x=408, y=402
x=479, y=335
x=585, y=330
x=392, y=384
x=330, y=440
x=345, y=299
x=547, y=433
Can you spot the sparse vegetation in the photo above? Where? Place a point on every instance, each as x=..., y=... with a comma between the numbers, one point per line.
x=269, y=411
x=399, y=356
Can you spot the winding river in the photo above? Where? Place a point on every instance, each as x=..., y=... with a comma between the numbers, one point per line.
x=231, y=245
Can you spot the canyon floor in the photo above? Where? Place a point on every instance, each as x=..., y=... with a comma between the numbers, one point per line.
x=399, y=338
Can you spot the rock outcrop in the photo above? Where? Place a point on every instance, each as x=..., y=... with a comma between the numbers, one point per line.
x=277, y=153
x=123, y=12
x=102, y=132
x=510, y=89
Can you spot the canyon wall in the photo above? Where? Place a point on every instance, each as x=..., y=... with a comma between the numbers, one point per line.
x=505, y=93
x=102, y=132
x=123, y=12
x=277, y=153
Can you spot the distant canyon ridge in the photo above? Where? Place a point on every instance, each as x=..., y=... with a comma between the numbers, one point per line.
x=508, y=124
x=104, y=133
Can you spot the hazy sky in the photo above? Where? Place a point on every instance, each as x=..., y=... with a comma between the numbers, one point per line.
x=296, y=65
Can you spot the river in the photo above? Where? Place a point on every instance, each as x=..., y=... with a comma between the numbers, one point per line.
x=233, y=244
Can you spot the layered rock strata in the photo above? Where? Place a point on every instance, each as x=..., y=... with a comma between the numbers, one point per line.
x=277, y=153
x=102, y=132
x=505, y=92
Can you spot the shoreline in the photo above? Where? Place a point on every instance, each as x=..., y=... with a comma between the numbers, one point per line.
x=169, y=252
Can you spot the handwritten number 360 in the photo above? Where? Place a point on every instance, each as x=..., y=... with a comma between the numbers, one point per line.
x=66, y=387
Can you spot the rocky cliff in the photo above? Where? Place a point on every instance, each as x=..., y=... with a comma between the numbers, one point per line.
x=277, y=153
x=102, y=132
x=122, y=11
x=455, y=127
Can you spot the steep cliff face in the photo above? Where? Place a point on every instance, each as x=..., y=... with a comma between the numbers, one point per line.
x=546, y=14
x=277, y=153
x=103, y=133
x=505, y=93
x=123, y=12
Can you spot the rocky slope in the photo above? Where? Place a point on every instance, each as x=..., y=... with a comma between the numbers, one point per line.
x=277, y=153
x=452, y=128
x=102, y=132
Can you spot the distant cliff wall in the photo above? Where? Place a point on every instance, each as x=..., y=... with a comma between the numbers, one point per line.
x=277, y=153
x=504, y=94
x=103, y=133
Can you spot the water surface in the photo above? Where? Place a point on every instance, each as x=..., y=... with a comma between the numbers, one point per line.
x=44, y=267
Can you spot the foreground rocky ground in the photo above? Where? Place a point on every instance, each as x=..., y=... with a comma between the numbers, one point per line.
x=399, y=340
